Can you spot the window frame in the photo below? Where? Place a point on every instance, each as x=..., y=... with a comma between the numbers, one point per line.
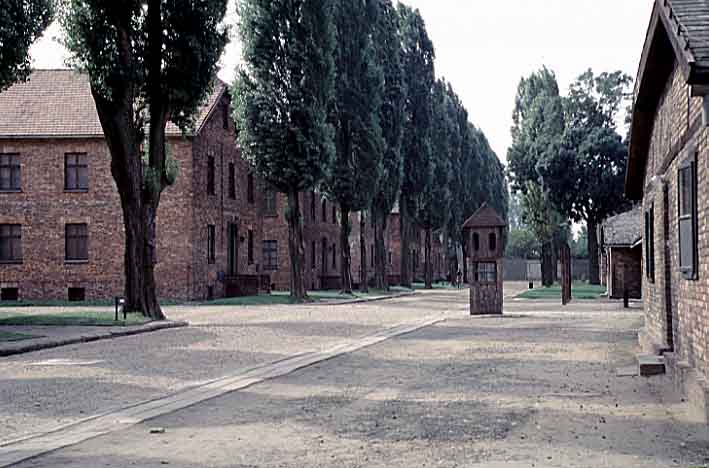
x=270, y=255
x=232, y=181
x=688, y=215
x=211, y=176
x=81, y=255
x=650, y=244
x=250, y=196
x=211, y=244
x=250, y=246
x=270, y=203
x=12, y=238
x=76, y=167
x=14, y=168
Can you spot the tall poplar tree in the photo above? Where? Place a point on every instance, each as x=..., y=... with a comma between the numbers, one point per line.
x=21, y=23
x=282, y=96
x=391, y=120
x=359, y=88
x=149, y=62
x=419, y=73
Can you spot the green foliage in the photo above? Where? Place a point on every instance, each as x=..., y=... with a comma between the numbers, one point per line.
x=391, y=113
x=538, y=213
x=419, y=73
x=359, y=89
x=522, y=243
x=579, y=246
x=21, y=23
x=284, y=90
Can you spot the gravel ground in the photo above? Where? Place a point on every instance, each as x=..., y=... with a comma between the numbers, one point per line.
x=46, y=389
x=537, y=388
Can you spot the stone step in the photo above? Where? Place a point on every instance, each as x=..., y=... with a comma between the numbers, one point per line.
x=651, y=365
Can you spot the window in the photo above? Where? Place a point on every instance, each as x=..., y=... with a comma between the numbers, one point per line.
x=688, y=241
x=650, y=244
x=334, y=256
x=270, y=255
x=313, y=255
x=10, y=243
x=324, y=211
x=493, y=242
x=250, y=241
x=334, y=214
x=211, y=244
x=77, y=242
x=486, y=272
x=76, y=294
x=250, y=188
x=476, y=242
x=10, y=180
x=211, y=188
x=232, y=181
x=76, y=172
x=313, y=211
x=9, y=294
x=270, y=205
x=391, y=259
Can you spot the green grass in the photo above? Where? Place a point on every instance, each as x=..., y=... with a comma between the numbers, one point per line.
x=579, y=290
x=283, y=297
x=442, y=285
x=56, y=303
x=70, y=319
x=7, y=337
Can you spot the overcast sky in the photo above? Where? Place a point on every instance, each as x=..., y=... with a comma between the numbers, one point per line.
x=484, y=47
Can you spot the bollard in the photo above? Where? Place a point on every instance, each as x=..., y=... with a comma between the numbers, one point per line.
x=626, y=299
x=531, y=285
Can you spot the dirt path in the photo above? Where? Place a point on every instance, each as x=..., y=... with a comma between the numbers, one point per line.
x=535, y=389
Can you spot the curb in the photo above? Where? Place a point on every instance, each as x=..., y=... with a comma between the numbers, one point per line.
x=365, y=300
x=49, y=343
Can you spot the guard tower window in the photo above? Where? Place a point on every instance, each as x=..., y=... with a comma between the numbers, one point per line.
x=493, y=242
x=476, y=241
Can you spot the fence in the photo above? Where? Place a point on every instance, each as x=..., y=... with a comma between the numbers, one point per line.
x=520, y=269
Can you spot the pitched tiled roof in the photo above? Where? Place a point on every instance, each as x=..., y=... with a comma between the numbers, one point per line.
x=486, y=216
x=690, y=20
x=59, y=104
x=625, y=229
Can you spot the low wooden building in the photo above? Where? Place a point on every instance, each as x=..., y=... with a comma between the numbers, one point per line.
x=621, y=254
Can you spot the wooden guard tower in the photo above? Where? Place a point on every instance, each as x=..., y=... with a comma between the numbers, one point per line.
x=484, y=234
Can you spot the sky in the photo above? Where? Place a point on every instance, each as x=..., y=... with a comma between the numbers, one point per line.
x=484, y=47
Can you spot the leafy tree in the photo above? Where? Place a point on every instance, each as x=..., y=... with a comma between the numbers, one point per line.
x=23, y=22
x=433, y=203
x=418, y=64
x=579, y=246
x=522, y=243
x=149, y=62
x=586, y=173
x=282, y=95
x=391, y=119
x=358, y=137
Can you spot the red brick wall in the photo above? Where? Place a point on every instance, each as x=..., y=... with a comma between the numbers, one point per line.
x=43, y=208
x=677, y=121
x=625, y=271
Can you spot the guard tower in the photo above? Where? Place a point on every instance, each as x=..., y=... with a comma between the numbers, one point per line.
x=484, y=234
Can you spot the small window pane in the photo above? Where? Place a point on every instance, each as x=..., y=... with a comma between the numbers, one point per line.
x=10, y=243
x=270, y=255
x=76, y=240
x=10, y=179
x=76, y=172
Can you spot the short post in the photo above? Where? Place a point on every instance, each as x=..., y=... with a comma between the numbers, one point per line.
x=116, y=300
x=120, y=304
x=626, y=298
x=531, y=285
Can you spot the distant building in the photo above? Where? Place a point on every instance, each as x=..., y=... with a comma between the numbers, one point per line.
x=621, y=254
x=668, y=169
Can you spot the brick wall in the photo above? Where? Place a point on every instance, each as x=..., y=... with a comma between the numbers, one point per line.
x=677, y=122
x=624, y=271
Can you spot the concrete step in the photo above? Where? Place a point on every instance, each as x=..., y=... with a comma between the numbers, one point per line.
x=651, y=365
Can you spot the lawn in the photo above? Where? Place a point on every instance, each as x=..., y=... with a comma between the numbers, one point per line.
x=283, y=297
x=66, y=319
x=6, y=337
x=579, y=290
x=55, y=303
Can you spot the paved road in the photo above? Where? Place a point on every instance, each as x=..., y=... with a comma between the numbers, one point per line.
x=47, y=389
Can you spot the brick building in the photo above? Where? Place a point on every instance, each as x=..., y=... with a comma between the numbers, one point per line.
x=61, y=231
x=668, y=170
x=621, y=254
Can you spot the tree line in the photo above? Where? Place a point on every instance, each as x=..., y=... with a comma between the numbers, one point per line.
x=568, y=161
x=334, y=96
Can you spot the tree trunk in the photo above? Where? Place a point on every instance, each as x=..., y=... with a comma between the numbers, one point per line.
x=346, y=256
x=295, y=248
x=381, y=278
x=428, y=267
x=406, y=274
x=363, y=274
x=555, y=247
x=593, y=260
x=547, y=264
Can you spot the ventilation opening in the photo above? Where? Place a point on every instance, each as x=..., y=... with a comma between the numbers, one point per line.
x=77, y=294
x=9, y=294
